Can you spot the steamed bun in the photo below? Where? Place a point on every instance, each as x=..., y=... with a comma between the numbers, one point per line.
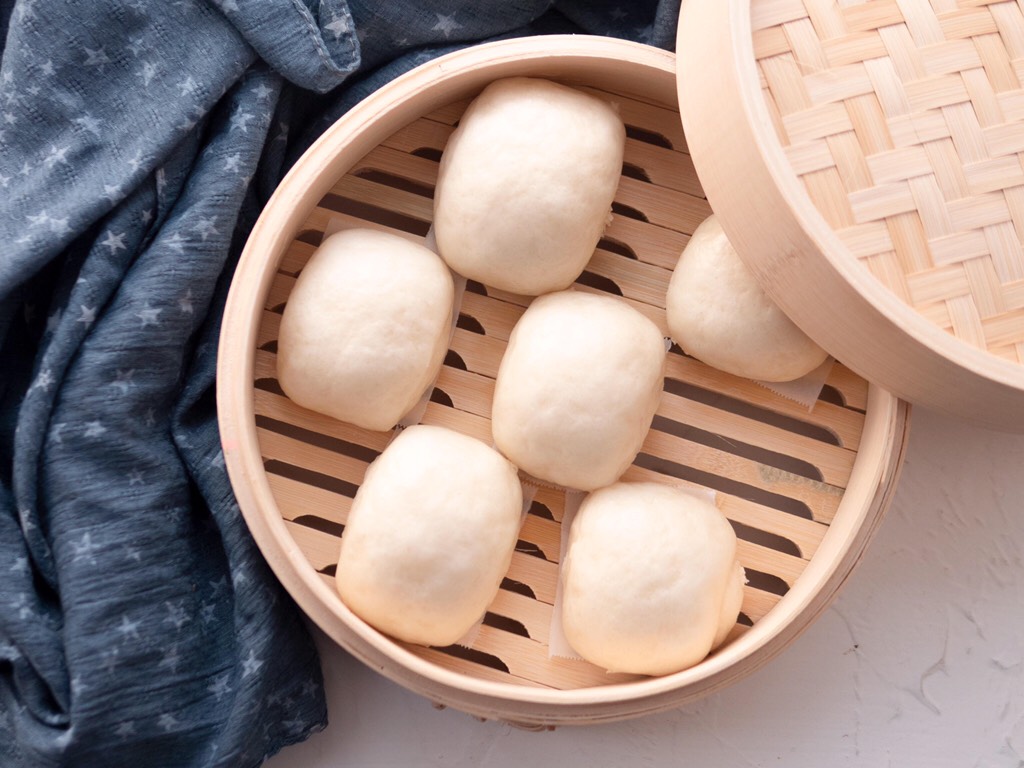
x=366, y=328
x=525, y=185
x=719, y=314
x=430, y=535
x=577, y=389
x=650, y=583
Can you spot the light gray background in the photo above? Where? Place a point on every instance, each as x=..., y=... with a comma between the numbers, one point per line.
x=919, y=662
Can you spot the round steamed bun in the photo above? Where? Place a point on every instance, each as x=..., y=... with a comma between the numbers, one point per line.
x=525, y=185
x=577, y=389
x=650, y=583
x=719, y=314
x=366, y=328
x=430, y=535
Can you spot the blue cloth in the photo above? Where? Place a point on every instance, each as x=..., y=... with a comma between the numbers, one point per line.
x=139, y=624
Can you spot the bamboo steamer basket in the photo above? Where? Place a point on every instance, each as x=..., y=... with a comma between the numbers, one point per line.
x=804, y=488
x=865, y=158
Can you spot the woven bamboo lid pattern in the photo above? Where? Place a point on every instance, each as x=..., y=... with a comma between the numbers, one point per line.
x=903, y=122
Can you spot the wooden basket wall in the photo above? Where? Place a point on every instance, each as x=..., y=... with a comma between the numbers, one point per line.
x=803, y=489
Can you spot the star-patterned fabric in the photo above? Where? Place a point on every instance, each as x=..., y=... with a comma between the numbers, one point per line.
x=139, y=624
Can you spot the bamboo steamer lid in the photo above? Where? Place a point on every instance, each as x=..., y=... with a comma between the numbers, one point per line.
x=865, y=159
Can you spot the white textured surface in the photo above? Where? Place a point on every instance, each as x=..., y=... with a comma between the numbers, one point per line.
x=920, y=661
